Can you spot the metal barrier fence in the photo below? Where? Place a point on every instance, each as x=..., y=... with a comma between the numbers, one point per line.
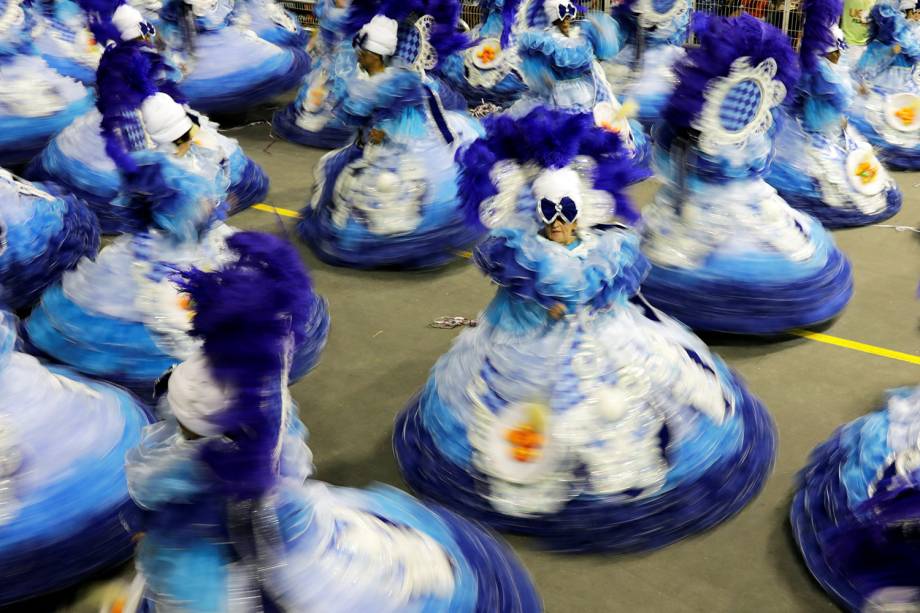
x=784, y=14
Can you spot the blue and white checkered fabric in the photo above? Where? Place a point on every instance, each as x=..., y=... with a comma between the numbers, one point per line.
x=662, y=6
x=740, y=105
x=132, y=132
x=409, y=43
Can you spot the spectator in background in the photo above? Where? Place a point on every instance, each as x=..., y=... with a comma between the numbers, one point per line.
x=855, y=26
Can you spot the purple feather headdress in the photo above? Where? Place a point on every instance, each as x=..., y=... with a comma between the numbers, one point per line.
x=817, y=36
x=550, y=139
x=250, y=314
x=99, y=18
x=722, y=41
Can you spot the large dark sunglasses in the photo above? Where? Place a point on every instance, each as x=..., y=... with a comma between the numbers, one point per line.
x=567, y=10
x=565, y=209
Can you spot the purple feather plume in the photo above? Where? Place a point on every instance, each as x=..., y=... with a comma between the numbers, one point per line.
x=820, y=17
x=551, y=139
x=250, y=314
x=99, y=18
x=722, y=41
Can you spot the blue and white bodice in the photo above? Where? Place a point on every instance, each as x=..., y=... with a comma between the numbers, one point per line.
x=563, y=71
x=824, y=95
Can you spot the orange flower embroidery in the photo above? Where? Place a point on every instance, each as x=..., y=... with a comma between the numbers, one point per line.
x=487, y=55
x=317, y=95
x=906, y=114
x=526, y=443
x=866, y=172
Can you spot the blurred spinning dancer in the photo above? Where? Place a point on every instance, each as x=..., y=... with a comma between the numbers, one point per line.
x=390, y=199
x=311, y=119
x=574, y=411
x=857, y=503
x=727, y=252
x=36, y=102
x=63, y=495
x=234, y=522
x=643, y=70
x=887, y=107
x=81, y=159
x=120, y=317
x=560, y=60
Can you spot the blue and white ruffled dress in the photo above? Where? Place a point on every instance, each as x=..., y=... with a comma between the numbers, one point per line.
x=613, y=428
x=41, y=237
x=393, y=204
x=63, y=495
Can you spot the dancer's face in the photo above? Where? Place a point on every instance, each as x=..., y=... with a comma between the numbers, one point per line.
x=564, y=25
x=184, y=143
x=833, y=57
x=370, y=62
x=561, y=232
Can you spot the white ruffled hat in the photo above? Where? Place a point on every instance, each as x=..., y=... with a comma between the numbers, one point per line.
x=554, y=185
x=195, y=398
x=556, y=10
x=164, y=119
x=379, y=36
x=128, y=20
x=840, y=41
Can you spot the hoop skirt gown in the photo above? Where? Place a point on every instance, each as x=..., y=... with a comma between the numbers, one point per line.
x=728, y=253
x=488, y=72
x=63, y=494
x=643, y=69
x=36, y=102
x=41, y=237
x=887, y=108
x=64, y=40
x=823, y=165
x=120, y=317
x=611, y=428
x=269, y=537
x=310, y=119
x=227, y=68
x=77, y=161
x=855, y=505
x=393, y=204
x=271, y=22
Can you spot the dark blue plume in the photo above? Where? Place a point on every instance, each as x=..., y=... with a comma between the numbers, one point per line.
x=722, y=41
x=99, y=18
x=250, y=314
x=551, y=139
x=820, y=17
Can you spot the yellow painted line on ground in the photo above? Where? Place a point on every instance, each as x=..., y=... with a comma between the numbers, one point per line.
x=819, y=337
x=891, y=354
x=267, y=208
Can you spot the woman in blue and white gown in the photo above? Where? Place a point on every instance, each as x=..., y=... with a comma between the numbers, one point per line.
x=886, y=109
x=41, y=236
x=728, y=253
x=856, y=506
x=271, y=22
x=36, y=102
x=233, y=520
x=561, y=63
x=574, y=411
x=77, y=159
x=120, y=316
x=823, y=165
x=488, y=71
x=63, y=37
x=655, y=33
x=63, y=494
x=226, y=68
x=310, y=120
x=390, y=199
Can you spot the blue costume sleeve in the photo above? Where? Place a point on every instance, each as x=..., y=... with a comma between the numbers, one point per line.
x=825, y=97
x=164, y=469
x=383, y=97
x=604, y=35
